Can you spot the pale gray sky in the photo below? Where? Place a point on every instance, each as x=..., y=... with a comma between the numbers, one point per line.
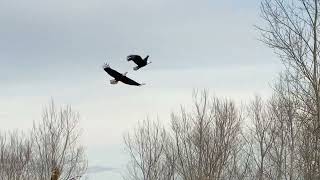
x=55, y=49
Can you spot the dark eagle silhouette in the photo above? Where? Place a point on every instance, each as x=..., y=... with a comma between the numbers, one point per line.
x=138, y=61
x=119, y=77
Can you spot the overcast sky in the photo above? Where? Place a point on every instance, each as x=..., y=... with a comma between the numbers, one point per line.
x=55, y=49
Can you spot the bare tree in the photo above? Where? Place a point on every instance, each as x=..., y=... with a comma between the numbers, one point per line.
x=262, y=134
x=202, y=144
x=146, y=147
x=292, y=30
x=205, y=138
x=15, y=156
x=284, y=113
x=51, y=145
x=57, y=146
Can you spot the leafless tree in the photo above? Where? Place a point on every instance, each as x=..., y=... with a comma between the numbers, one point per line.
x=57, y=144
x=262, y=135
x=15, y=156
x=200, y=145
x=205, y=138
x=283, y=111
x=51, y=144
x=292, y=30
x=146, y=147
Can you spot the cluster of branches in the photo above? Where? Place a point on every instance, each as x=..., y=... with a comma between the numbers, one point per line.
x=52, y=144
x=199, y=145
x=272, y=139
x=267, y=139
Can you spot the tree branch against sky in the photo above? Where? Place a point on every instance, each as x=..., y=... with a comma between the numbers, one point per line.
x=52, y=144
x=292, y=30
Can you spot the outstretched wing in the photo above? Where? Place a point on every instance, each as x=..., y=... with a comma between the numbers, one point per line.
x=136, y=59
x=129, y=81
x=112, y=72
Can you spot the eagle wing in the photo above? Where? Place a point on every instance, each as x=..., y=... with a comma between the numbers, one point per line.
x=136, y=59
x=115, y=74
x=120, y=77
x=129, y=81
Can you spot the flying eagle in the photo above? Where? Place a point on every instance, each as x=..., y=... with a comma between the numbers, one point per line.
x=138, y=61
x=119, y=77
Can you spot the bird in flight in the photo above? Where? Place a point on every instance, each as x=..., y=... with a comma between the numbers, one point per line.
x=120, y=77
x=138, y=61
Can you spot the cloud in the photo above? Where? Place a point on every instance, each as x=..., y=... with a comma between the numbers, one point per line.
x=56, y=48
x=46, y=37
